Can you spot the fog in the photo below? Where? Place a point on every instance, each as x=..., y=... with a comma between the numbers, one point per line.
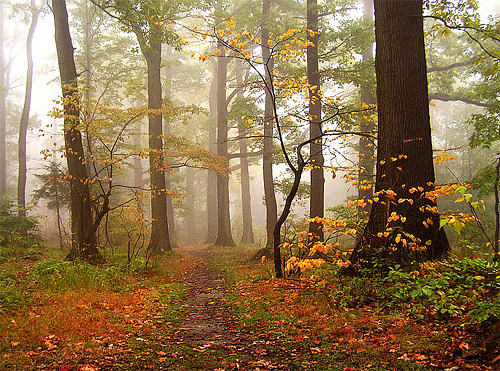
x=116, y=79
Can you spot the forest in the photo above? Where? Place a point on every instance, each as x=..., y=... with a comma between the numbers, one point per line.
x=249, y=185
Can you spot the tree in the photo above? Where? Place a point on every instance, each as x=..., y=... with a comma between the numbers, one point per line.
x=366, y=147
x=404, y=222
x=55, y=190
x=83, y=229
x=21, y=183
x=267, y=151
x=3, y=96
x=211, y=176
x=317, y=199
x=224, y=235
x=146, y=20
x=246, y=201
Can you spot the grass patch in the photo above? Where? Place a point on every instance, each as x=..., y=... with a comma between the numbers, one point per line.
x=443, y=316
x=61, y=314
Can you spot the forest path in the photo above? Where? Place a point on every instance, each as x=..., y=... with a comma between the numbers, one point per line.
x=208, y=325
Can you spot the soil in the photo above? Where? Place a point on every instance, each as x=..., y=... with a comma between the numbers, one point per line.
x=209, y=325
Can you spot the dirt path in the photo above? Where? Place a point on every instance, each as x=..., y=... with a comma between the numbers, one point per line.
x=208, y=325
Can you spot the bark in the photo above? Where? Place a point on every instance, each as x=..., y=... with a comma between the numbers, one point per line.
x=138, y=181
x=224, y=235
x=159, y=240
x=317, y=196
x=211, y=176
x=404, y=129
x=84, y=244
x=170, y=207
x=190, y=217
x=3, y=118
x=246, y=199
x=496, y=236
x=267, y=156
x=366, y=147
x=450, y=98
x=23, y=129
x=90, y=164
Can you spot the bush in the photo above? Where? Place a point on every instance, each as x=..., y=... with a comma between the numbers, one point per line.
x=17, y=231
x=465, y=288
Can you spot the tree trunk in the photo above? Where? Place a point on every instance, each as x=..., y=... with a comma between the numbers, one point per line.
x=404, y=155
x=159, y=241
x=267, y=151
x=317, y=197
x=170, y=206
x=224, y=235
x=211, y=176
x=84, y=244
x=246, y=199
x=23, y=129
x=90, y=164
x=138, y=181
x=366, y=147
x=190, y=217
x=3, y=113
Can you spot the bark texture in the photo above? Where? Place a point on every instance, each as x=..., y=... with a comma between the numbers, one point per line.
x=404, y=155
x=159, y=240
x=317, y=196
x=84, y=244
x=224, y=235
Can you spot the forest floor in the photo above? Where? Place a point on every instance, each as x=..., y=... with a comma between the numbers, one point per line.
x=214, y=309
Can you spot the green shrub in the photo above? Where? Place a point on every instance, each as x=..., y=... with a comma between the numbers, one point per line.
x=463, y=288
x=17, y=231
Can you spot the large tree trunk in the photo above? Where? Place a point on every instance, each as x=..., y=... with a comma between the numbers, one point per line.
x=211, y=176
x=159, y=241
x=404, y=155
x=3, y=114
x=317, y=197
x=224, y=235
x=83, y=235
x=23, y=129
x=267, y=151
x=366, y=145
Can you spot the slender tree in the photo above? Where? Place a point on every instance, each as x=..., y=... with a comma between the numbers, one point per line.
x=82, y=224
x=366, y=147
x=168, y=182
x=23, y=129
x=146, y=20
x=3, y=114
x=267, y=152
x=317, y=197
x=246, y=199
x=224, y=235
x=190, y=204
x=211, y=176
x=403, y=223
